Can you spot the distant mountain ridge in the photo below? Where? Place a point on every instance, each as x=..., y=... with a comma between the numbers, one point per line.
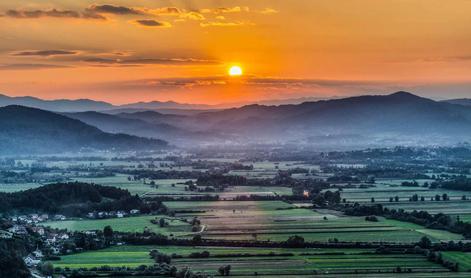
x=395, y=119
x=59, y=105
x=26, y=130
x=460, y=101
x=82, y=105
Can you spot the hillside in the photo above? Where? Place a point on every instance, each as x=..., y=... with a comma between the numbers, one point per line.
x=30, y=130
x=68, y=198
x=383, y=119
x=131, y=123
x=399, y=114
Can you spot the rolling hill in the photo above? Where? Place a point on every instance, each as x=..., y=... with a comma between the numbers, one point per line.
x=31, y=130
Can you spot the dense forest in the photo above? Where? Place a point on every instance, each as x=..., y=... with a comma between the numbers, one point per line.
x=72, y=199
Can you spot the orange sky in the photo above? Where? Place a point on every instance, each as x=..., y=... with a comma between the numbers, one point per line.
x=128, y=51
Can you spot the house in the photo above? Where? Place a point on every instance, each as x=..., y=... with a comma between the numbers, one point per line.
x=38, y=254
x=19, y=230
x=120, y=214
x=5, y=235
x=55, y=250
x=135, y=211
x=60, y=217
x=39, y=230
x=30, y=261
x=64, y=236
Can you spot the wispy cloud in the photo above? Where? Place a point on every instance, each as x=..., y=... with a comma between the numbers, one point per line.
x=44, y=53
x=118, y=10
x=225, y=10
x=147, y=61
x=30, y=66
x=283, y=84
x=54, y=13
x=226, y=23
x=153, y=23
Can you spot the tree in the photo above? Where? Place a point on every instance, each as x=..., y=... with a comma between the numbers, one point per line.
x=197, y=238
x=108, y=233
x=160, y=257
x=162, y=222
x=47, y=269
x=295, y=241
x=425, y=242
x=225, y=270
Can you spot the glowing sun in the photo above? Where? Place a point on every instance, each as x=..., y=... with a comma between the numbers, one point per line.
x=235, y=71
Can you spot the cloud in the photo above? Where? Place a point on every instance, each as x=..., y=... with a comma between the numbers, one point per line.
x=53, y=13
x=224, y=10
x=30, y=66
x=226, y=23
x=177, y=12
x=44, y=53
x=268, y=11
x=265, y=83
x=118, y=10
x=136, y=61
x=153, y=23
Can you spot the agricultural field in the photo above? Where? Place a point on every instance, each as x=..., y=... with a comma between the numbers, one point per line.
x=175, y=226
x=462, y=258
x=277, y=221
x=165, y=186
x=385, y=189
x=15, y=187
x=249, y=262
x=433, y=207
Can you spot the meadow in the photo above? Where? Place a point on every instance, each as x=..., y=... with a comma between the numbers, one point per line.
x=15, y=187
x=127, y=224
x=277, y=221
x=249, y=262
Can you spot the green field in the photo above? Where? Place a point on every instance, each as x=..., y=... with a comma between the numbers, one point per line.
x=276, y=220
x=288, y=261
x=462, y=258
x=385, y=189
x=14, y=187
x=127, y=224
x=138, y=187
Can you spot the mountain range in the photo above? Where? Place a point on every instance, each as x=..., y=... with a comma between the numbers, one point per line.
x=460, y=101
x=81, y=105
x=26, y=130
x=371, y=120
x=385, y=119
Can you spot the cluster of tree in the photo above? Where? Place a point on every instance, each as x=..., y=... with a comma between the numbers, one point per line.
x=459, y=183
x=363, y=173
x=74, y=199
x=437, y=221
x=218, y=180
x=161, y=174
x=11, y=263
x=410, y=184
x=326, y=198
x=343, y=179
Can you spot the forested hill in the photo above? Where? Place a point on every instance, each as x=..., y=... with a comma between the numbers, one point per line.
x=69, y=198
x=27, y=130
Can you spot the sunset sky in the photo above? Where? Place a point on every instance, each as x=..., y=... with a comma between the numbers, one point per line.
x=125, y=51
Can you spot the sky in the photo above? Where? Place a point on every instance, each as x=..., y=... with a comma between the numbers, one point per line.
x=124, y=51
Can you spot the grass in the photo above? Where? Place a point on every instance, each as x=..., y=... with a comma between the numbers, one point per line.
x=277, y=221
x=15, y=187
x=462, y=258
x=302, y=261
x=127, y=224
